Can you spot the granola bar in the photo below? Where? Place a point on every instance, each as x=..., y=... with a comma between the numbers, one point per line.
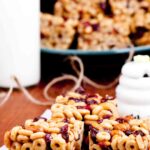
x=55, y=32
x=124, y=133
x=42, y=134
x=85, y=107
x=104, y=33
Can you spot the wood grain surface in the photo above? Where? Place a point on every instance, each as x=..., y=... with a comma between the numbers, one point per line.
x=18, y=108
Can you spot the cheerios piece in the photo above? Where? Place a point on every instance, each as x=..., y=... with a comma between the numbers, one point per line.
x=25, y=132
x=68, y=113
x=39, y=144
x=58, y=115
x=131, y=145
x=103, y=136
x=22, y=138
x=96, y=110
x=16, y=146
x=91, y=117
x=53, y=130
x=57, y=107
x=84, y=111
x=77, y=115
x=121, y=143
x=26, y=146
x=58, y=144
x=140, y=142
x=37, y=135
x=61, y=100
x=14, y=132
x=7, y=140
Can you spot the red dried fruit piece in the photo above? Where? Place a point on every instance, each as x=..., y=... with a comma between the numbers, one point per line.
x=107, y=116
x=84, y=107
x=48, y=137
x=139, y=132
x=77, y=99
x=90, y=102
x=64, y=132
x=121, y=120
x=100, y=121
x=128, y=132
x=93, y=132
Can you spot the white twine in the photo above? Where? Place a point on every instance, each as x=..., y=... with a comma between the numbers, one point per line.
x=4, y=97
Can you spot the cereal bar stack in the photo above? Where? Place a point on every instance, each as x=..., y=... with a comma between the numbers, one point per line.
x=55, y=32
x=81, y=121
x=124, y=133
x=99, y=24
x=42, y=134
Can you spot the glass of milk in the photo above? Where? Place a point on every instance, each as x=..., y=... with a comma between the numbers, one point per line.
x=19, y=42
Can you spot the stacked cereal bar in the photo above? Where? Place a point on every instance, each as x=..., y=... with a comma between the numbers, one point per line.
x=42, y=134
x=55, y=32
x=100, y=24
x=81, y=121
x=104, y=33
x=77, y=9
x=125, y=133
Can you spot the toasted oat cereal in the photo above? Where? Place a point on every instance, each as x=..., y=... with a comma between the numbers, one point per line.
x=126, y=133
x=42, y=134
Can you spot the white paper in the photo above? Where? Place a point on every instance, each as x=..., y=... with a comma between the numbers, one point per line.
x=46, y=114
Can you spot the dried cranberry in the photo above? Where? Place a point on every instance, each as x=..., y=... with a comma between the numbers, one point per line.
x=66, y=120
x=38, y=118
x=103, y=100
x=64, y=132
x=77, y=99
x=48, y=141
x=93, y=132
x=100, y=121
x=80, y=90
x=138, y=132
x=107, y=116
x=106, y=7
x=90, y=102
x=84, y=107
x=95, y=27
x=128, y=132
x=86, y=24
x=48, y=137
x=121, y=120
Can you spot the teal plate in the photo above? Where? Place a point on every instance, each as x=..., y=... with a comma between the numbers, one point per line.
x=93, y=52
x=98, y=64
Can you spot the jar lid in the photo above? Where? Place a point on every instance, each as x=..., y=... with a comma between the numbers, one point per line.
x=138, y=68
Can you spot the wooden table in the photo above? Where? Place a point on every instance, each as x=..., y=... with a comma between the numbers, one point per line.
x=18, y=108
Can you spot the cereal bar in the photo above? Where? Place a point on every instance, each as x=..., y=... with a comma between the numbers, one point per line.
x=104, y=33
x=124, y=133
x=85, y=107
x=77, y=9
x=55, y=32
x=42, y=134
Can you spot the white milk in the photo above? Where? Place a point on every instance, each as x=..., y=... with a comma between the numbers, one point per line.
x=19, y=41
